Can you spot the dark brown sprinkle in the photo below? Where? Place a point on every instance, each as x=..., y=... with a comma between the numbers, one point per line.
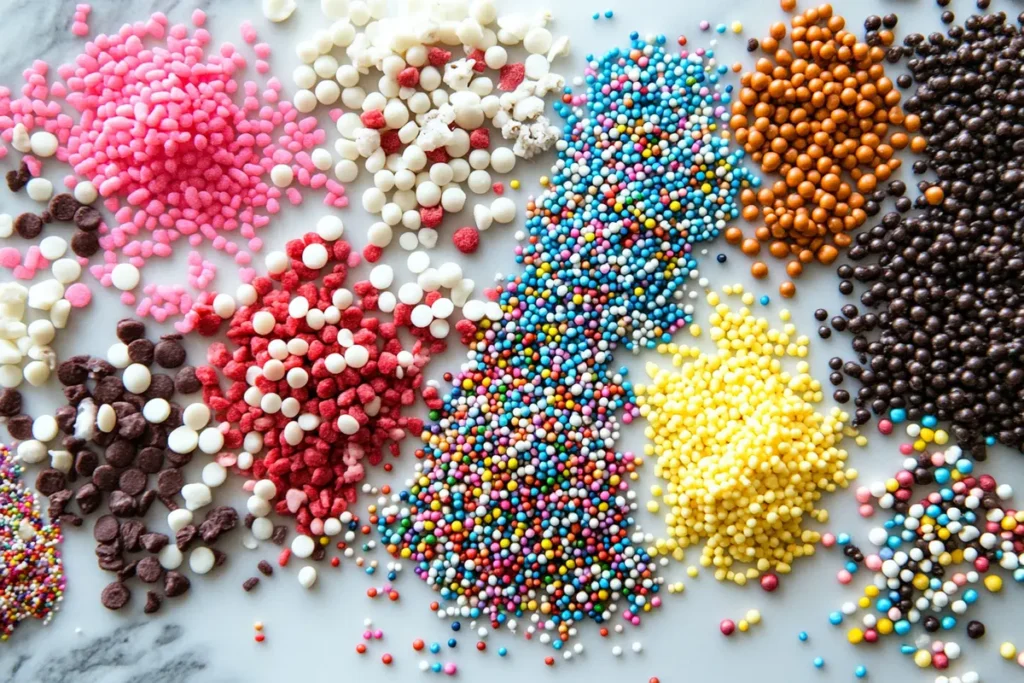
x=121, y=504
x=175, y=584
x=128, y=572
x=76, y=394
x=108, y=390
x=319, y=552
x=160, y=386
x=280, y=533
x=131, y=534
x=87, y=218
x=265, y=568
x=129, y=329
x=111, y=564
x=248, y=520
x=63, y=207
x=154, y=542
x=86, y=462
x=753, y=44
x=186, y=536
x=133, y=481
x=88, y=498
x=99, y=368
x=106, y=529
x=70, y=519
x=10, y=402
x=250, y=583
x=85, y=244
x=109, y=550
x=28, y=225
x=219, y=557
x=153, y=602
x=149, y=570
x=66, y=417
x=218, y=521
x=58, y=502
x=123, y=409
x=50, y=481
x=144, y=501
x=20, y=427
x=105, y=478
x=14, y=181
x=169, y=503
x=169, y=353
x=121, y=453
x=178, y=459
x=115, y=596
x=150, y=459
x=141, y=351
x=169, y=483
x=186, y=382
x=131, y=427
x=46, y=217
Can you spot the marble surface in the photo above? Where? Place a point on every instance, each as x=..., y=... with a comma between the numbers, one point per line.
x=206, y=636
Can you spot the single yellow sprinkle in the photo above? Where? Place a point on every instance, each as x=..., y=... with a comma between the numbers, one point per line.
x=514, y=184
x=743, y=454
x=544, y=180
x=737, y=27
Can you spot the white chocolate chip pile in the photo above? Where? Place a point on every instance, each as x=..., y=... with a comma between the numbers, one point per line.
x=416, y=114
x=30, y=317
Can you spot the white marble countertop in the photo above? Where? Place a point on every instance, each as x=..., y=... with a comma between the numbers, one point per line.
x=207, y=636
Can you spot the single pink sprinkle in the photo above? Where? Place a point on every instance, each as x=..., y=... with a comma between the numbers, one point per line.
x=198, y=17
x=10, y=257
x=828, y=539
x=78, y=295
x=866, y=511
x=873, y=562
x=844, y=576
x=863, y=494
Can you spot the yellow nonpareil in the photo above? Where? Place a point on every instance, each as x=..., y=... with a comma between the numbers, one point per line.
x=743, y=452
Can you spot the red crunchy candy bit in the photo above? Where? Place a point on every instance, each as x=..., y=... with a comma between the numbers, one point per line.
x=511, y=75
x=431, y=216
x=294, y=249
x=466, y=239
x=373, y=118
x=217, y=355
x=209, y=324
x=207, y=376
x=477, y=56
x=438, y=156
x=480, y=138
x=499, y=188
x=389, y=142
x=409, y=77
x=438, y=57
x=372, y=253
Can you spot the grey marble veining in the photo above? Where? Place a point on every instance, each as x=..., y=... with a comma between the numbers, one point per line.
x=206, y=636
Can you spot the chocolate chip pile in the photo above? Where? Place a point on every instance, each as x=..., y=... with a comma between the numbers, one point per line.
x=63, y=208
x=941, y=331
x=116, y=432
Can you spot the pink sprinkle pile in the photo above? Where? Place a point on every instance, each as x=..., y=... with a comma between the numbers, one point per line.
x=159, y=132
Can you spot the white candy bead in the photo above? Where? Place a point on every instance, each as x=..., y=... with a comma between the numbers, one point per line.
x=125, y=276
x=201, y=560
x=307, y=576
x=196, y=495
x=196, y=416
x=183, y=440
x=156, y=410
x=262, y=528
x=179, y=519
x=39, y=189
x=136, y=378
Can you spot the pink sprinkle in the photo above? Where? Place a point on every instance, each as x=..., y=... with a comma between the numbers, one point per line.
x=828, y=539
x=873, y=562
x=10, y=257
x=885, y=426
x=844, y=576
x=866, y=511
x=78, y=295
x=198, y=17
x=863, y=494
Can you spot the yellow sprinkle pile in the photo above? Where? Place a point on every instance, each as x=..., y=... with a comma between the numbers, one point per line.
x=743, y=452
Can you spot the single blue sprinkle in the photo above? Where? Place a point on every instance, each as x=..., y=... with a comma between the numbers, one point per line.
x=436, y=667
x=435, y=648
x=456, y=626
x=929, y=421
x=502, y=652
x=861, y=671
x=720, y=28
x=722, y=258
x=597, y=15
x=765, y=299
x=897, y=415
x=818, y=662
x=990, y=441
x=452, y=642
x=609, y=14
x=835, y=618
x=802, y=636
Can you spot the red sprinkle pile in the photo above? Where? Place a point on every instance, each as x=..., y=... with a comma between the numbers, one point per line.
x=317, y=477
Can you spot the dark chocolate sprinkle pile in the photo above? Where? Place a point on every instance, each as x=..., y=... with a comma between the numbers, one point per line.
x=940, y=329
